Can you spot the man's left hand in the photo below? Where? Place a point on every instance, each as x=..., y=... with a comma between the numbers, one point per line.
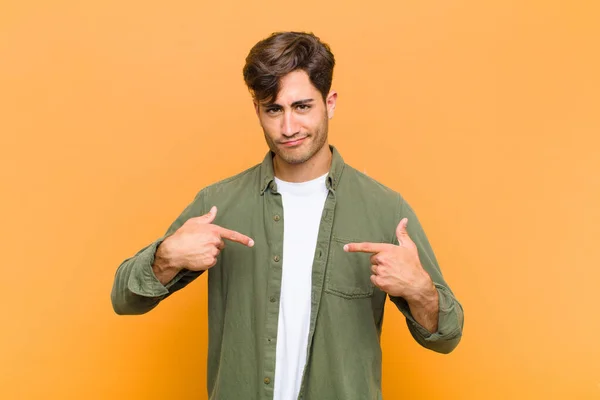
x=395, y=269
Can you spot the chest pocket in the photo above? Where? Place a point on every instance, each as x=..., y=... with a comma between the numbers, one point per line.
x=348, y=275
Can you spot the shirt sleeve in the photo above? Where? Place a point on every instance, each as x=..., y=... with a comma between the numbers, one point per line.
x=136, y=290
x=451, y=316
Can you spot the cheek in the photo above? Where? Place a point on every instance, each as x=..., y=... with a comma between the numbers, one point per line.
x=269, y=126
x=310, y=123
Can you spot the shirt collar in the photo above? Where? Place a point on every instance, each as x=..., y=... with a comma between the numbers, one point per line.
x=333, y=178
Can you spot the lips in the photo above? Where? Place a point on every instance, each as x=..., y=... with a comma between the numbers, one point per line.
x=294, y=142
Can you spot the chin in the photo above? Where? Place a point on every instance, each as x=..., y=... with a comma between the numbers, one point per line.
x=295, y=158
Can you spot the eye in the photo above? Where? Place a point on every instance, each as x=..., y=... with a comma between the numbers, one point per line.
x=273, y=111
x=303, y=107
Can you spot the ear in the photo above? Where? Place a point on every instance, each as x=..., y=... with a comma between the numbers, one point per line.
x=330, y=103
x=255, y=107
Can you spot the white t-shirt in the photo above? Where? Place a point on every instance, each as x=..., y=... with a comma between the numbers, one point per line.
x=302, y=210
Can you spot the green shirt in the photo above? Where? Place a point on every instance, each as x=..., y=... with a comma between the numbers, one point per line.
x=344, y=353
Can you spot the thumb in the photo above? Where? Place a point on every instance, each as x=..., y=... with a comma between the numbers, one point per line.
x=401, y=232
x=210, y=216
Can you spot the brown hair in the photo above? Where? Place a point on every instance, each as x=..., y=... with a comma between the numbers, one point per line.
x=281, y=53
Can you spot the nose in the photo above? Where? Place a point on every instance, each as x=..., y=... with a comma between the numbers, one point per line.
x=289, y=125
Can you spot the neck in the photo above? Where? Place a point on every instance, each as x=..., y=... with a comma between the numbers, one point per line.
x=316, y=166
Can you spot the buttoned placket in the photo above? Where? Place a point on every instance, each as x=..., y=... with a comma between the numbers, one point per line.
x=273, y=212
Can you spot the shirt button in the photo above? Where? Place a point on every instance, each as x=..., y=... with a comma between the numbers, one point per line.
x=267, y=381
x=276, y=217
x=276, y=258
x=273, y=299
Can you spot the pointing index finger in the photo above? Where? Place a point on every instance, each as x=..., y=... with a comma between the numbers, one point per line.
x=234, y=236
x=365, y=247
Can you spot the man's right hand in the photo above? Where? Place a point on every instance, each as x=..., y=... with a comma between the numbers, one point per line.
x=194, y=246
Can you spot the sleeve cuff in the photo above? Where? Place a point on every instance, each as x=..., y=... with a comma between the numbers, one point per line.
x=449, y=325
x=450, y=318
x=142, y=280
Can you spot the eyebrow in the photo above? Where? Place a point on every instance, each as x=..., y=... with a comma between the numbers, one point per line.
x=294, y=104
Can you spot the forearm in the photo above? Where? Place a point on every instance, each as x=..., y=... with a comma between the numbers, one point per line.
x=449, y=321
x=425, y=309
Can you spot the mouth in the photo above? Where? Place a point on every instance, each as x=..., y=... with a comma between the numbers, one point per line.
x=292, y=143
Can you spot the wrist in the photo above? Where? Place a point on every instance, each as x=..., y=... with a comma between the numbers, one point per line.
x=425, y=295
x=164, y=266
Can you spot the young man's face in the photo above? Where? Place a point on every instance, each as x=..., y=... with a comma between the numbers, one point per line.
x=296, y=123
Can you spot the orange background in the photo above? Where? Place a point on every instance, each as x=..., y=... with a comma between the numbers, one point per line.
x=483, y=114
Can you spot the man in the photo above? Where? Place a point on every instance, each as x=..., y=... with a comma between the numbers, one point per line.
x=302, y=251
